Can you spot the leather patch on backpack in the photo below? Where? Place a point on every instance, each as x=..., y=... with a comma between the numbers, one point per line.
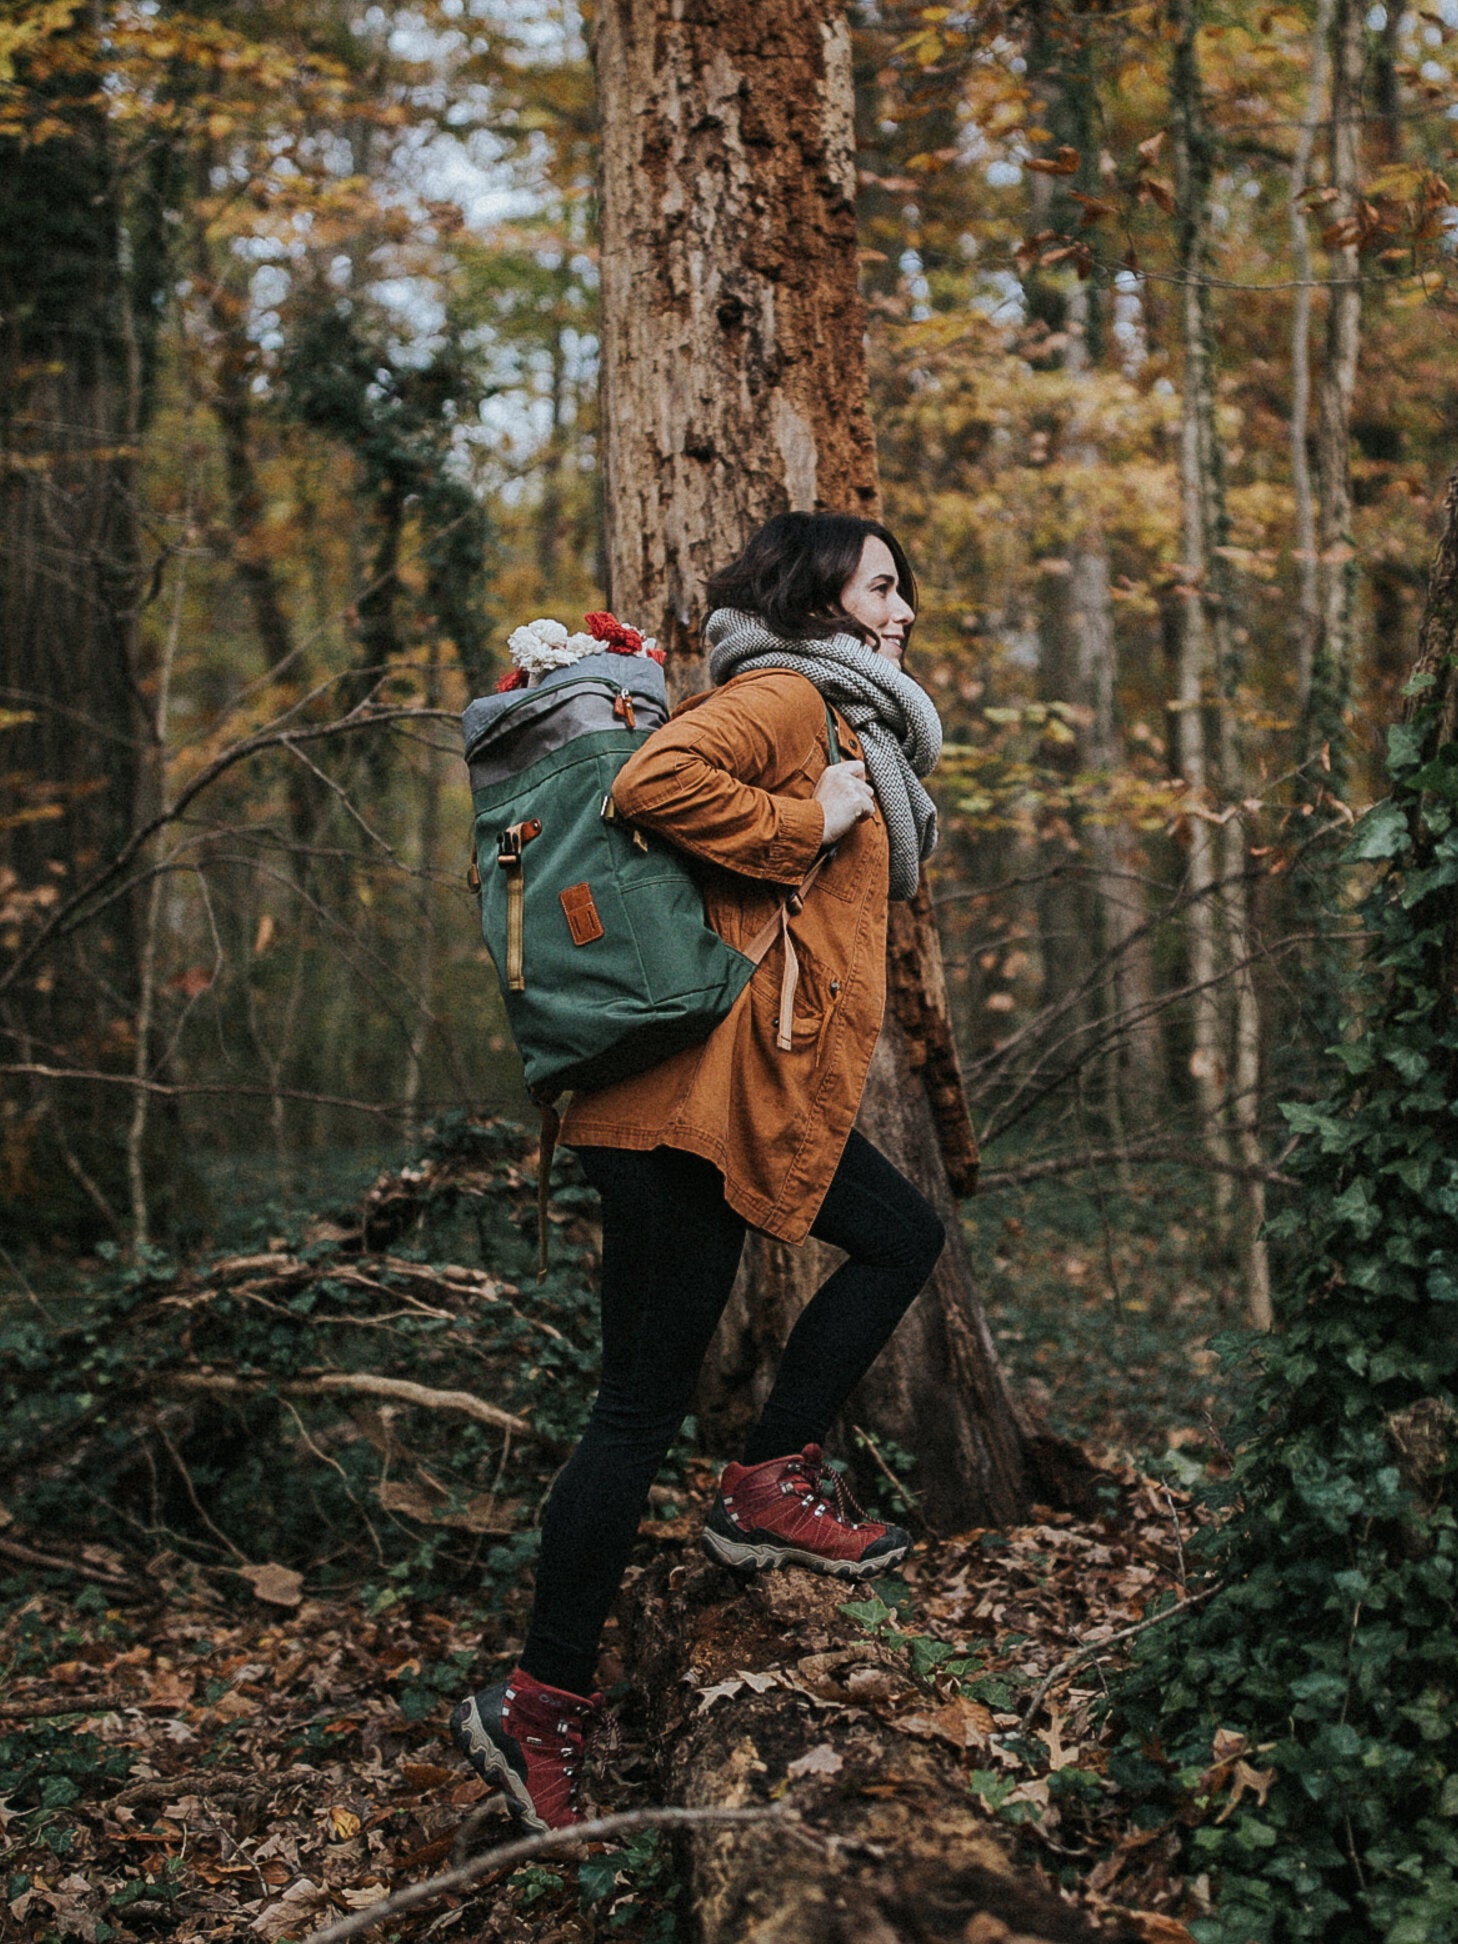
x=582, y=919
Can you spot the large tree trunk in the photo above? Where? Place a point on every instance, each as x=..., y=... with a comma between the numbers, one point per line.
x=70, y=593
x=734, y=387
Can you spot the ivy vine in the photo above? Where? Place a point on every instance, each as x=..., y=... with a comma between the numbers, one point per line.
x=1301, y=1726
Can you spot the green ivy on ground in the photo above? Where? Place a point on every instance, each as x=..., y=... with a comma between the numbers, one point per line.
x=1302, y=1722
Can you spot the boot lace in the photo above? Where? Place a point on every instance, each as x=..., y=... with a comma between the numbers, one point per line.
x=602, y=1741
x=839, y=1498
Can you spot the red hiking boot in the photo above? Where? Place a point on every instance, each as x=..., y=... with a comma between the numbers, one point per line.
x=527, y=1738
x=797, y=1512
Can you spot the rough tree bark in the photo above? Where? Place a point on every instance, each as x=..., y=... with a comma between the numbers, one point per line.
x=734, y=387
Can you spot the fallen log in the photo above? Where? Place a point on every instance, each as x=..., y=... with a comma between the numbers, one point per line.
x=756, y=1693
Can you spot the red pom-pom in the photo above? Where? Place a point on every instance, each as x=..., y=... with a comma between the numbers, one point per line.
x=514, y=678
x=655, y=654
x=619, y=637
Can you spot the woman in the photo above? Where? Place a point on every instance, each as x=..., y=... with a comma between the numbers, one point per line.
x=753, y=1128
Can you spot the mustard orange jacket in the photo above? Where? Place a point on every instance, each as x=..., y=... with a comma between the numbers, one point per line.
x=730, y=778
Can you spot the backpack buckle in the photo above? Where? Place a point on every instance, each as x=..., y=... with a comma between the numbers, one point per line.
x=509, y=841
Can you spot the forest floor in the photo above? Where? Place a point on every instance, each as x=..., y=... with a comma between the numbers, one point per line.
x=275, y=1767
x=198, y=1746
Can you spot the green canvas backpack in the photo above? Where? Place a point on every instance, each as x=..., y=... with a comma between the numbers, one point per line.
x=596, y=929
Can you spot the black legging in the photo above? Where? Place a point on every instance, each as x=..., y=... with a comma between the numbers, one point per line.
x=670, y=1250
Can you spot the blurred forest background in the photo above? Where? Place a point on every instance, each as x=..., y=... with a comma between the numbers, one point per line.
x=298, y=420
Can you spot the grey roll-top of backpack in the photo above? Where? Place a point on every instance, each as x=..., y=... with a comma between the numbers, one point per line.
x=504, y=734
x=596, y=930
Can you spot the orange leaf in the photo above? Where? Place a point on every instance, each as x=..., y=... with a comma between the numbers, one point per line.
x=1064, y=162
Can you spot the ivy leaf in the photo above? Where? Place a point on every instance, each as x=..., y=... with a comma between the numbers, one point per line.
x=1381, y=833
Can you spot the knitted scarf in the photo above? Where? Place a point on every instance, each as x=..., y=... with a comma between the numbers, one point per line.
x=894, y=717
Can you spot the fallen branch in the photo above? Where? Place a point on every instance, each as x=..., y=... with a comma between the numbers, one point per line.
x=1097, y=1647
x=507, y=1855
x=361, y=1383
x=200, y=1782
x=54, y=1563
x=93, y=1704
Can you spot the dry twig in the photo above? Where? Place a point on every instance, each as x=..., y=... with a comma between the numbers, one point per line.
x=1097, y=1647
x=600, y=1829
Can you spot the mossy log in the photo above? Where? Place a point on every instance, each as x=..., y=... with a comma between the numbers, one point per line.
x=882, y=1843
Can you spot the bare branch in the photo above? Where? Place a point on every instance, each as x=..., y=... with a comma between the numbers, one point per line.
x=507, y=1855
x=362, y=1383
x=1060, y=1164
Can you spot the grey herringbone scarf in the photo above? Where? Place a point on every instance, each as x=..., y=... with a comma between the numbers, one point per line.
x=894, y=717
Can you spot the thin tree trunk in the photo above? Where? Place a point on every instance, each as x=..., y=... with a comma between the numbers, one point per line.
x=1196, y=684
x=1132, y=1069
x=734, y=387
x=1331, y=673
x=245, y=497
x=1226, y=1056
x=1308, y=608
x=425, y=940
x=151, y=931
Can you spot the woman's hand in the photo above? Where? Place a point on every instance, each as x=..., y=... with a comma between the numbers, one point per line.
x=845, y=797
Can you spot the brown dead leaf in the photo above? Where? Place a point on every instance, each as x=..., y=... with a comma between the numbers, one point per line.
x=426, y=1775
x=1248, y=1781
x=232, y=1706
x=1064, y=162
x=364, y=1895
x=959, y=1721
x=302, y=1900
x=820, y=1760
x=169, y=1690
x=343, y=1823
x=277, y=1585
x=1151, y=1928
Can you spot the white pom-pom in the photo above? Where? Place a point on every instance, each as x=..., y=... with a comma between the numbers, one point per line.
x=650, y=642
x=578, y=645
x=551, y=633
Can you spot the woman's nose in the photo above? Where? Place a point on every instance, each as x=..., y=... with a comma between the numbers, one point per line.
x=901, y=610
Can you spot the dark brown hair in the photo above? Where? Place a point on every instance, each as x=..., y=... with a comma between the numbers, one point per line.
x=792, y=570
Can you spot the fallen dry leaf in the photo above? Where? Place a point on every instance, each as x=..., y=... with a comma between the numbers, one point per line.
x=1151, y=1928
x=959, y=1721
x=364, y=1896
x=820, y=1760
x=343, y=1823
x=278, y=1585
x=302, y=1900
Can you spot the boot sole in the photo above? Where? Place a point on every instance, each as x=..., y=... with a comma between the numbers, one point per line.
x=469, y=1734
x=742, y=1556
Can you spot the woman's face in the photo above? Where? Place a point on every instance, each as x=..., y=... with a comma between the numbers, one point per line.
x=872, y=596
